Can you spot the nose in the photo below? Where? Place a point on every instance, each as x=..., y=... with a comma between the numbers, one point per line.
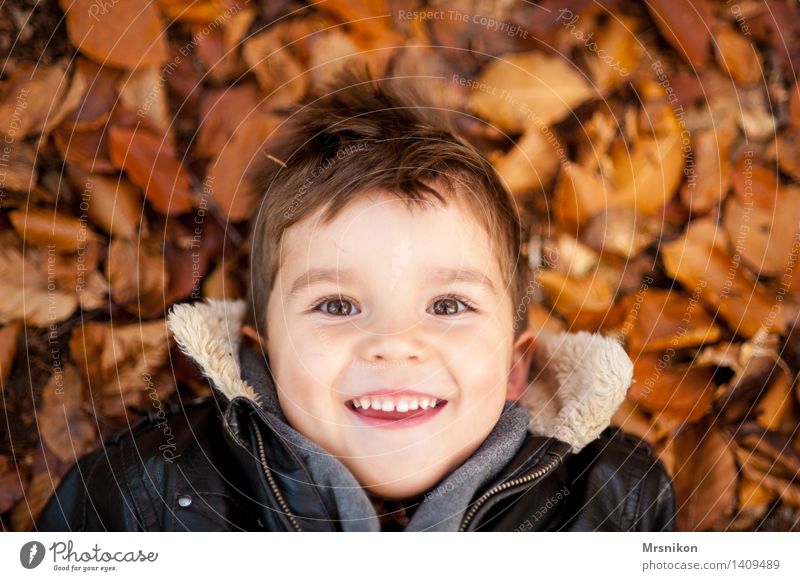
x=394, y=339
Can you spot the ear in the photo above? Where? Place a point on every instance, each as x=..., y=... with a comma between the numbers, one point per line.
x=520, y=365
x=250, y=334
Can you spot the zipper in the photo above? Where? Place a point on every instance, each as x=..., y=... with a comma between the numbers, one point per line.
x=531, y=476
x=273, y=485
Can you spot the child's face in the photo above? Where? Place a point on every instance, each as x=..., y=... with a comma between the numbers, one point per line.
x=391, y=319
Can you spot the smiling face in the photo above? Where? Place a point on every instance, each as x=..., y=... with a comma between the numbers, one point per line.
x=378, y=313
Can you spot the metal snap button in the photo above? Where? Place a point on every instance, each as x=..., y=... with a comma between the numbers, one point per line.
x=185, y=500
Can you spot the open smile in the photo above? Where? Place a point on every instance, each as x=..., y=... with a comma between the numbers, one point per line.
x=388, y=412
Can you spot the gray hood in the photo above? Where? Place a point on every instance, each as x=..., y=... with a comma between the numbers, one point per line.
x=577, y=382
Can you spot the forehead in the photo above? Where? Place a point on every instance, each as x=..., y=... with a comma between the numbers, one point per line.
x=380, y=230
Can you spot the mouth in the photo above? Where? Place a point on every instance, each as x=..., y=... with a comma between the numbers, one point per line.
x=390, y=412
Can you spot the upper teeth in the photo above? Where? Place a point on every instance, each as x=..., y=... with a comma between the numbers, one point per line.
x=403, y=404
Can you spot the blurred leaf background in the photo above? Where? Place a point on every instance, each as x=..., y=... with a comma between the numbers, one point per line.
x=653, y=148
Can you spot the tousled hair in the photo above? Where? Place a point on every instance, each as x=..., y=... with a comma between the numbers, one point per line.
x=362, y=134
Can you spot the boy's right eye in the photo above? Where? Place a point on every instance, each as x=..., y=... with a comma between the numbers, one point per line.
x=335, y=306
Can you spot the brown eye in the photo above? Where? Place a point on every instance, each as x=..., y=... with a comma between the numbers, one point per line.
x=336, y=307
x=448, y=306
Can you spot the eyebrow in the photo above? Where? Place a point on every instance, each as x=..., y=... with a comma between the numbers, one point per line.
x=442, y=274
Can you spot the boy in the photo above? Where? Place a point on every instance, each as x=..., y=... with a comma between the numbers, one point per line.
x=386, y=381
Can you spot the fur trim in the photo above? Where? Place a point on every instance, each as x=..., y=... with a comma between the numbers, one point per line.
x=581, y=379
x=578, y=379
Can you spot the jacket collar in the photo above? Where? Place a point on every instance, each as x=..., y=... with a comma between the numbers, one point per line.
x=577, y=380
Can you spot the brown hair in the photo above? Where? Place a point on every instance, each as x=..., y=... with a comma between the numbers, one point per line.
x=364, y=134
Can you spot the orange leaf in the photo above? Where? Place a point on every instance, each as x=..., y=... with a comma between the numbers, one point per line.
x=151, y=164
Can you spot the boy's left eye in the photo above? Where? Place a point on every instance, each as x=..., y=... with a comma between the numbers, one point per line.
x=449, y=306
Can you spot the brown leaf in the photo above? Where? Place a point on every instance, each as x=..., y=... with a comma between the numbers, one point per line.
x=114, y=204
x=37, y=492
x=761, y=234
x=710, y=179
x=31, y=98
x=123, y=33
x=151, y=164
x=278, y=72
x=665, y=387
x=685, y=25
x=137, y=275
x=705, y=477
x=9, y=335
x=99, y=98
x=579, y=195
x=722, y=285
x=27, y=293
x=226, y=176
x=667, y=319
x=117, y=362
x=520, y=90
x=221, y=114
x=571, y=296
x=20, y=172
x=63, y=424
x=768, y=459
x=49, y=229
x=618, y=53
x=532, y=162
x=203, y=11
x=11, y=480
x=737, y=56
x=143, y=91
x=789, y=152
x=648, y=177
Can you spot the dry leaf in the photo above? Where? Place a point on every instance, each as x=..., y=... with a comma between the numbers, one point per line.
x=122, y=33
x=710, y=179
x=63, y=424
x=151, y=164
x=9, y=335
x=137, y=275
x=532, y=162
x=723, y=285
x=675, y=390
x=705, y=478
x=52, y=230
x=579, y=195
x=114, y=204
x=30, y=99
x=737, y=56
x=685, y=25
x=663, y=319
x=520, y=90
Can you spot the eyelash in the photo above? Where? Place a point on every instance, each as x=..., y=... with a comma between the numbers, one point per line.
x=470, y=307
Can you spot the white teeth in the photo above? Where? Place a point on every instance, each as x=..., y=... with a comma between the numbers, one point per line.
x=402, y=405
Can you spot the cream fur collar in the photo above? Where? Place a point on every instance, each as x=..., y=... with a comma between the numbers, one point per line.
x=578, y=380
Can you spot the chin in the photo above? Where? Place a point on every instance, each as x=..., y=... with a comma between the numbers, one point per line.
x=397, y=482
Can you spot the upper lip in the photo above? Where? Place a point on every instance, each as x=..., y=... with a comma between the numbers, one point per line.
x=387, y=392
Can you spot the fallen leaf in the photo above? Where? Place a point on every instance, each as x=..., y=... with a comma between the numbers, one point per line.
x=705, y=478
x=63, y=424
x=710, y=178
x=580, y=194
x=663, y=319
x=9, y=335
x=685, y=25
x=30, y=99
x=151, y=164
x=52, y=230
x=737, y=56
x=137, y=275
x=721, y=283
x=122, y=33
x=113, y=204
x=532, y=162
x=665, y=387
x=516, y=91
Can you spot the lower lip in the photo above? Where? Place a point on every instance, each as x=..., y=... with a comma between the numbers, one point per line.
x=411, y=419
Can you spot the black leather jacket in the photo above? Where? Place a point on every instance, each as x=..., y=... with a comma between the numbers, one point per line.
x=226, y=472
